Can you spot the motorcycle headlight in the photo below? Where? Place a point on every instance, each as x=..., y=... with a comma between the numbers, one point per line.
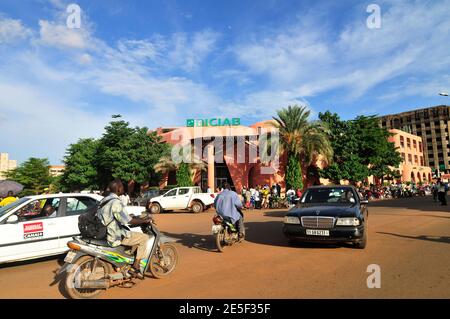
x=291, y=220
x=352, y=221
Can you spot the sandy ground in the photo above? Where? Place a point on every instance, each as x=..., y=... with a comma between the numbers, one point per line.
x=408, y=238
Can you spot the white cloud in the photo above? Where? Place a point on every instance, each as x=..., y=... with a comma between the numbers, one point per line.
x=41, y=125
x=62, y=37
x=188, y=51
x=12, y=30
x=85, y=59
x=309, y=59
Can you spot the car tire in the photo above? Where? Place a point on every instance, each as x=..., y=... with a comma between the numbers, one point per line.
x=197, y=207
x=155, y=208
x=363, y=243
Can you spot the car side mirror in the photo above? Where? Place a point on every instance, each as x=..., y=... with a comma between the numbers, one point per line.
x=12, y=219
x=364, y=202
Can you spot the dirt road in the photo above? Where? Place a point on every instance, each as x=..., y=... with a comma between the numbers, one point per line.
x=408, y=238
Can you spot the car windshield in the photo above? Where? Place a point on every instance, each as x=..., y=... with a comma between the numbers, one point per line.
x=328, y=196
x=6, y=209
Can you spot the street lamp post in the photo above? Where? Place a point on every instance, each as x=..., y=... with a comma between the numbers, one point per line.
x=441, y=94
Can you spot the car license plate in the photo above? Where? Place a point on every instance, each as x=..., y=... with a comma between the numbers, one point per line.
x=317, y=232
x=70, y=256
x=216, y=228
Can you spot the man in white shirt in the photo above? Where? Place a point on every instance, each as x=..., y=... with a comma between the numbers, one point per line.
x=125, y=199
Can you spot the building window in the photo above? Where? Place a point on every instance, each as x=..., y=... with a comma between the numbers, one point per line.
x=415, y=144
x=420, y=147
x=421, y=161
x=409, y=159
x=408, y=142
x=416, y=159
x=403, y=156
x=402, y=142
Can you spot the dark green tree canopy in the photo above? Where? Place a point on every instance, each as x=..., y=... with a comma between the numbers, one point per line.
x=33, y=174
x=294, y=177
x=80, y=170
x=123, y=152
x=361, y=148
x=184, y=175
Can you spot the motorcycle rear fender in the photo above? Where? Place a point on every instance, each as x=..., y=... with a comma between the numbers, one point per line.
x=67, y=266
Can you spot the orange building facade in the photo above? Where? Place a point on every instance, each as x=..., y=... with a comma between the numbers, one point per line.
x=231, y=153
x=410, y=147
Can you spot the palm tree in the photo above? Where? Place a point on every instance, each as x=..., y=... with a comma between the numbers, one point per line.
x=301, y=138
x=166, y=164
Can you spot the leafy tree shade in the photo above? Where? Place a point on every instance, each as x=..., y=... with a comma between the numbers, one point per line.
x=294, y=173
x=122, y=152
x=80, y=170
x=33, y=174
x=184, y=175
x=361, y=149
x=129, y=154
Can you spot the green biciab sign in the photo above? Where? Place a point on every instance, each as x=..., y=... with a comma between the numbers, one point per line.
x=213, y=122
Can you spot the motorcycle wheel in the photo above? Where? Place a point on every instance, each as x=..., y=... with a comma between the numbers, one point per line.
x=220, y=240
x=74, y=277
x=164, y=261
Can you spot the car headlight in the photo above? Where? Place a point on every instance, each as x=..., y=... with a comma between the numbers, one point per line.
x=352, y=221
x=291, y=220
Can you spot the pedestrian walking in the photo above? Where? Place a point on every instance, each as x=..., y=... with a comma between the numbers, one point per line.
x=442, y=191
x=257, y=198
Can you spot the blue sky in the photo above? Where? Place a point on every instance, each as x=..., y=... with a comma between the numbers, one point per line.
x=160, y=62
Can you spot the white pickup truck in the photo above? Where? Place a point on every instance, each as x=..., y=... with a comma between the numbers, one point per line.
x=190, y=198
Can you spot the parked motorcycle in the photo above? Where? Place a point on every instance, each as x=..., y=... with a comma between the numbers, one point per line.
x=225, y=233
x=92, y=266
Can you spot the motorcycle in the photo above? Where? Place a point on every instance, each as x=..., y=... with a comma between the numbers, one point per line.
x=225, y=233
x=92, y=266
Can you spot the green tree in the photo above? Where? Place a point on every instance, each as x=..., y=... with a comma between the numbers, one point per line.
x=294, y=173
x=166, y=164
x=361, y=148
x=33, y=174
x=183, y=174
x=80, y=171
x=128, y=154
x=301, y=139
x=122, y=152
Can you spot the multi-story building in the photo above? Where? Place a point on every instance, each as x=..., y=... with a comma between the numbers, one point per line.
x=56, y=170
x=412, y=168
x=433, y=125
x=6, y=164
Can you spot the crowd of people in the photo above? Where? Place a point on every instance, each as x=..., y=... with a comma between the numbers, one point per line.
x=438, y=189
x=264, y=196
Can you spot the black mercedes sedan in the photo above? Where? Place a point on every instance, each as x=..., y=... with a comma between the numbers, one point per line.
x=329, y=214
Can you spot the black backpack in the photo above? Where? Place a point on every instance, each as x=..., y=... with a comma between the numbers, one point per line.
x=90, y=225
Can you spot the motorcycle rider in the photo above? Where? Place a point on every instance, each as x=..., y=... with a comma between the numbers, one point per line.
x=228, y=205
x=117, y=221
